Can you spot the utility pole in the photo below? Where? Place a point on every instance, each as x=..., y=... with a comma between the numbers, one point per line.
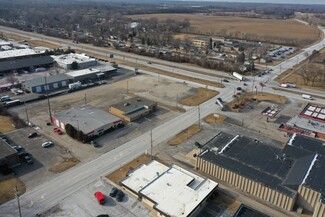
x=127, y=86
x=26, y=113
x=199, y=115
x=17, y=196
x=85, y=99
x=151, y=144
x=48, y=100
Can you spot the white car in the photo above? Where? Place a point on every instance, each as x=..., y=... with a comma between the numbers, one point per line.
x=47, y=144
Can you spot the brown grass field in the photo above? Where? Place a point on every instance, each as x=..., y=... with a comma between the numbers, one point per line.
x=199, y=97
x=120, y=173
x=215, y=119
x=7, y=184
x=184, y=135
x=6, y=124
x=65, y=165
x=268, y=28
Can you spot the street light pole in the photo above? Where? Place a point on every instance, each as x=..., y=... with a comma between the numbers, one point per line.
x=26, y=113
x=17, y=196
x=48, y=100
x=199, y=115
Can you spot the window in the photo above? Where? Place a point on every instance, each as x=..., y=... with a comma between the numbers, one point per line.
x=64, y=83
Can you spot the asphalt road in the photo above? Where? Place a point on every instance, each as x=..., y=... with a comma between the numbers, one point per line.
x=55, y=190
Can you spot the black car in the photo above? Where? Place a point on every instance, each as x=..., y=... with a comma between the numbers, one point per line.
x=28, y=159
x=113, y=192
x=119, y=196
x=32, y=135
x=103, y=215
x=225, y=80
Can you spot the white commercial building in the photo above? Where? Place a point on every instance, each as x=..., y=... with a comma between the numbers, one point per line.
x=170, y=191
x=66, y=61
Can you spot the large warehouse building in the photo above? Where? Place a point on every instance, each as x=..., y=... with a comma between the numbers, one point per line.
x=310, y=122
x=48, y=83
x=134, y=108
x=91, y=121
x=66, y=61
x=94, y=74
x=25, y=59
x=288, y=178
x=169, y=191
x=8, y=156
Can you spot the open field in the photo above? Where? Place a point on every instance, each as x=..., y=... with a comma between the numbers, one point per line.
x=7, y=185
x=14, y=37
x=239, y=26
x=199, y=97
x=6, y=124
x=184, y=135
x=120, y=173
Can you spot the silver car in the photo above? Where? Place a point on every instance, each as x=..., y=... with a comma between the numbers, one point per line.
x=47, y=144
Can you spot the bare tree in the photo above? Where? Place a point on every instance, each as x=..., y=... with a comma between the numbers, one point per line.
x=304, y=74
x=12, y=79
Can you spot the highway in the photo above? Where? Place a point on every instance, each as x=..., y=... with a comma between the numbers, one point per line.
x=50, y=193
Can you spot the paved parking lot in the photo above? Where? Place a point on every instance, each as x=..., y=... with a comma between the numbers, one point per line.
x=84, y=204
x=44, y=158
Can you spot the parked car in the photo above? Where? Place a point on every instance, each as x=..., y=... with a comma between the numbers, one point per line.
x=119, y=196
x=225, y=80
x=245, y=84
x=100, y=197
x=28, y=159
x=32, y=135
x=149, y=62
x=47, y=144
x=103, y=215
x=18, y=148
x=94, y=143
x=57, y=131
x=113, y=192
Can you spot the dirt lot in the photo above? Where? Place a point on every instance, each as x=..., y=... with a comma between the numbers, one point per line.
x=6, y=124
x=119, y=174
x=36, y=43
x=264, y=28
x=7, y=185
x=184, y=135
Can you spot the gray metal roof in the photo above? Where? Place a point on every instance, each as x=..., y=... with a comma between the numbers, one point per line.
x=49, y=79
x=25, y=62
x=132, y=105
x=252, y=159
x=5, y=149
x=88, y=118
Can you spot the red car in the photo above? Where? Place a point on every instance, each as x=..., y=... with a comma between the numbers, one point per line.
x=100, y=197
x=57, y=131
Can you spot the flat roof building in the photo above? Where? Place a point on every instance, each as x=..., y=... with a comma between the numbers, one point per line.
x=66, y=61
x=170, y=191
x=27, y=59
x=310, y=122
x=94, y=74
x=91, y=121
x=283, y=177
x=8, y=156
x=46, y=84
x=133, y=108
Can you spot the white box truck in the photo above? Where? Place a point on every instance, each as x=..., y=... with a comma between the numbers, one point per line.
x=74, y=86
x=238, y=76
x=306, y=96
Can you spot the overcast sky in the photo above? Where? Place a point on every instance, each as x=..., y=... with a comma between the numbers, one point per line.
x=276, y=1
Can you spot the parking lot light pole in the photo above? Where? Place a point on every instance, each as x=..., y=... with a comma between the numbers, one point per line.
x=48, y=100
